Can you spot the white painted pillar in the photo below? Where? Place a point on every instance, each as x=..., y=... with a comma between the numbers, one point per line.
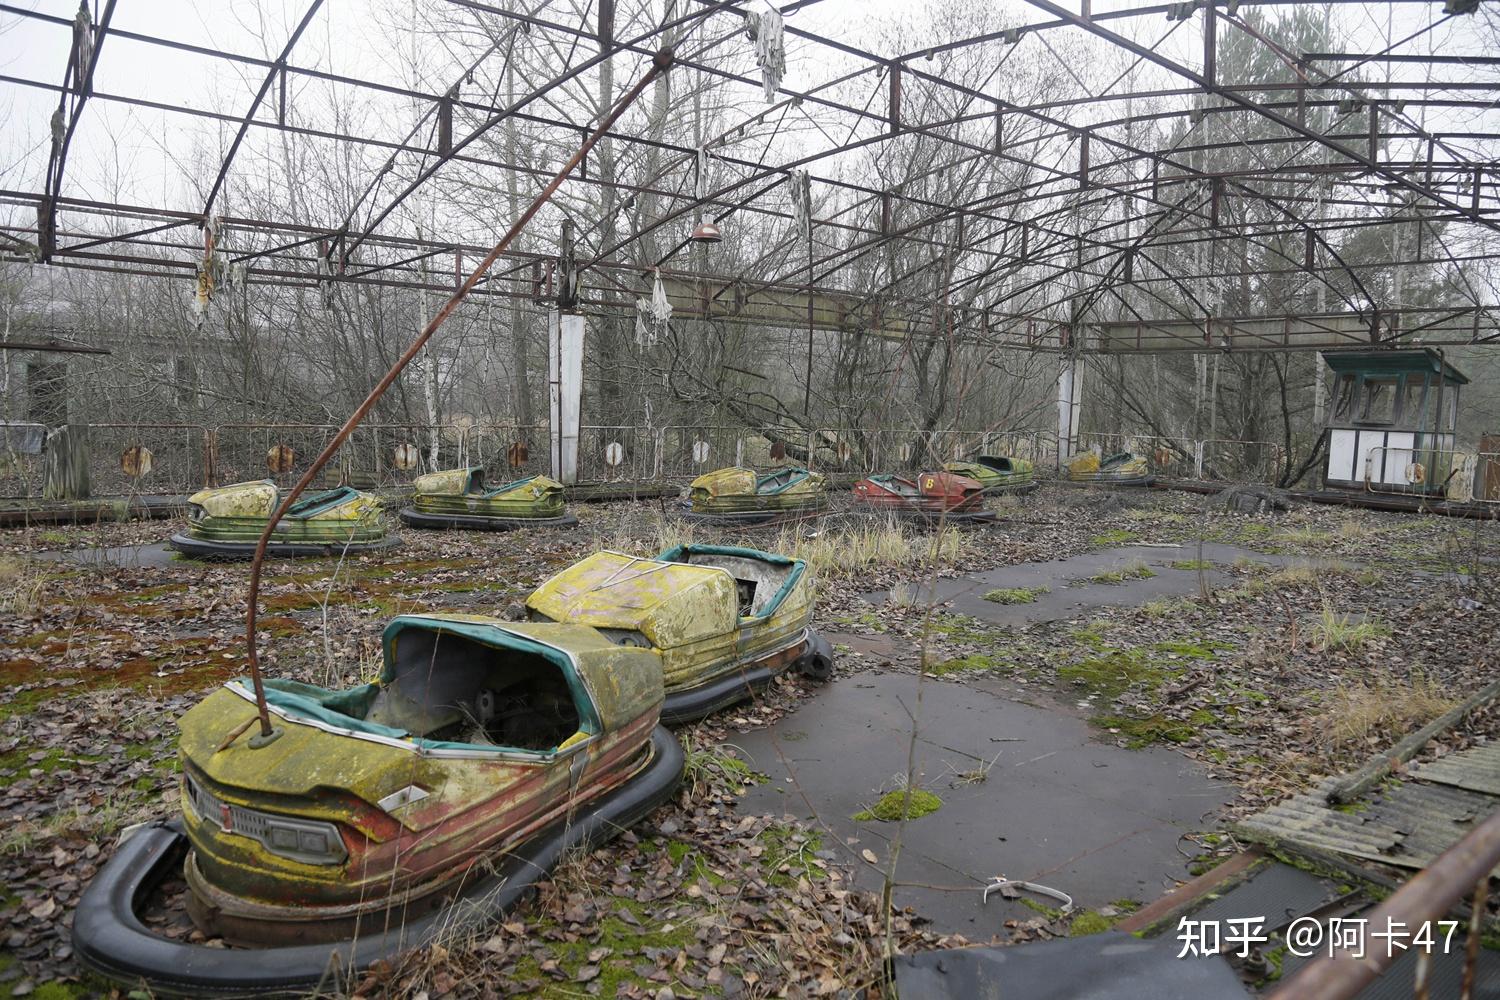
x=1067, y=408
x=565, y=379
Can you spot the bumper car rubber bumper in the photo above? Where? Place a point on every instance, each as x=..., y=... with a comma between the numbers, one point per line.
x=203, y=548
x=691, y=704
x=413, y=518
x=110, y=938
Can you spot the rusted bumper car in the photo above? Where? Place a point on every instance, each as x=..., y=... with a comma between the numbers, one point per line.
x=1120, y=469
x=931, y=496
x=378, y=817
x=997, y=473
x=743, y=496
x=458, y=499
x=226, y=523
x=723, y=620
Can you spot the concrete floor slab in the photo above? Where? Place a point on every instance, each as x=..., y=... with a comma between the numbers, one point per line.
x=127, y=556
x=1070, y=592
x=1097, y=822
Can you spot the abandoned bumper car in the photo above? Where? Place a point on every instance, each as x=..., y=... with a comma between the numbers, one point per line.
x=931, y=496
x=375, y=817
x=744, y=496
x=1120, y=469
x=724, y=620
x=226, y=523
x=457, y=498
x=997, y=473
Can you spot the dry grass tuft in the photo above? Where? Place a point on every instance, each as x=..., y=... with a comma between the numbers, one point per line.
x=1333, y=631
x=23, y=585
x=1366, y=715
x=871, y=545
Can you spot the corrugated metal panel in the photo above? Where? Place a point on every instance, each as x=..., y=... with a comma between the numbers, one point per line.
x=1476, y=769
x=1406, y=825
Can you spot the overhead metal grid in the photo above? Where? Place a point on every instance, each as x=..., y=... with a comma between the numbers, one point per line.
x=1095, y=218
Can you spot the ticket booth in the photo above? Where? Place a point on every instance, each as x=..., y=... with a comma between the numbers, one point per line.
x=1392, y=422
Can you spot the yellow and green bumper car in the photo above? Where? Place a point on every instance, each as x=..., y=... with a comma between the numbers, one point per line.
x=744, y=496
x=724, y=620
x=997, y=473
x=458, y=499
x=380, y=818
x=1120, y=469
x=225, y=523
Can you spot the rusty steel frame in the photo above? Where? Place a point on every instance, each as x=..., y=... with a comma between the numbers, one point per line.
x=1461, y=871
x=1165, y=200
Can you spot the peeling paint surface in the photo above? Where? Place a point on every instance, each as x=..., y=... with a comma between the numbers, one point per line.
x=688, y=612
x=929, y=491
x=994, y=472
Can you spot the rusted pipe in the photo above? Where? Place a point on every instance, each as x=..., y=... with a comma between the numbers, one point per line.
x=660, y=63
x=1429, y=895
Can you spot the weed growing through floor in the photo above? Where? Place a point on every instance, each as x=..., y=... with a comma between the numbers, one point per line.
x=1333, y=631
x=903, y=803
x=1192, y=564
x=1016, y=595
x=1133, y=571
x=714, y=767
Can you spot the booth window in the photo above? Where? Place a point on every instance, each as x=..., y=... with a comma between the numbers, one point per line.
x=1410, y=410
x=1380, y=400
x=1343, y=394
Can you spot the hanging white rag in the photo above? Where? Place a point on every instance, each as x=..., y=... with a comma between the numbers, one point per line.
x=651, y=315
x=765, y=30
x=802, y=202
x=703, y=178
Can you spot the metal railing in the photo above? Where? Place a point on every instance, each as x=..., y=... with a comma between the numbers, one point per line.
x=181, y=458
x=1466, y=477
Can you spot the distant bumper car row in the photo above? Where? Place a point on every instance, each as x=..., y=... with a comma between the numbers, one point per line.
x=377, y=818
x=227, y=522
x=997, y=473
x=930, y=496
x=742, y=496
x=1120, y=469
x=458, y=499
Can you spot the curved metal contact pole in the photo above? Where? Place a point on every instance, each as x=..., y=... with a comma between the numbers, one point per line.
x=660, y=63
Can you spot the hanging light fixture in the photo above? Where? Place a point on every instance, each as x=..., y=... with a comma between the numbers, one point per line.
x=706, y=232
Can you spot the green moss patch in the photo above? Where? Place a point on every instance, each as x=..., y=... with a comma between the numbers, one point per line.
x=1192, y=564
x=1115, y=672
x=915, y=802
x=964, y=664
x=1115, y=536
x=1140, y=733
